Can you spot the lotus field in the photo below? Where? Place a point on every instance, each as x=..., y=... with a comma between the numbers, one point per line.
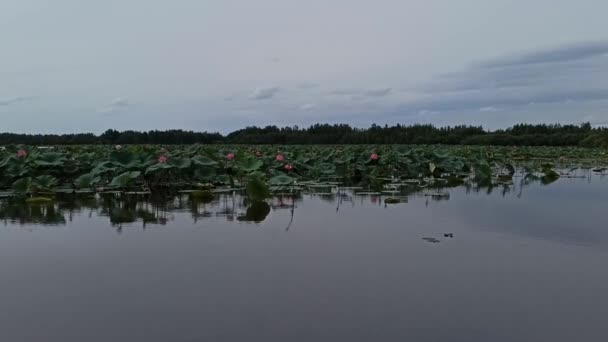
x=37, y=172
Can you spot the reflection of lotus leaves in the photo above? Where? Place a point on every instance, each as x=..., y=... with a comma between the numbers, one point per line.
x=41, y=213
x=549, y=176
x=203, y=196
x=122, y=215
x=453, y=181
x=256, y=212
x=38, y=200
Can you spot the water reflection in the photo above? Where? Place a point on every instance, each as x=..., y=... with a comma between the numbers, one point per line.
x=159, y=208
x=520, y=261
x=147, y=209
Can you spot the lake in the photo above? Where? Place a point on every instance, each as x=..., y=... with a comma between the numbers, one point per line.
x=519, y=263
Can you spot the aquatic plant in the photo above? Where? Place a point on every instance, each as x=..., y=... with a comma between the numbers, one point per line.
x=27, y=169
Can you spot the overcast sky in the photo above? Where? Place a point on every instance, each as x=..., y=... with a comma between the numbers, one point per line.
x=75, y=65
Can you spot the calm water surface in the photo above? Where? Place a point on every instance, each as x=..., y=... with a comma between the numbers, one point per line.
x=527, y=264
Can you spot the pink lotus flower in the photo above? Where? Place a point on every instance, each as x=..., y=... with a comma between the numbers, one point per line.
x=21, y=153
x=258, y=153
x=373, y=156
x=280, y=157
x=162, y=159
x=230, y=156
x=288, y=167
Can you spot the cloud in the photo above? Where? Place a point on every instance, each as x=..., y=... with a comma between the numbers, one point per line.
x=14, y=100
x=378, y=92
x=488, y=109
x=571, y=74
x=307, y=106
x=307, y=85
x=345, y=92
x=373, y=92
x=115, y=105
x=264, y=93
x=119, y=102
x=564, y=53
x=426, y=112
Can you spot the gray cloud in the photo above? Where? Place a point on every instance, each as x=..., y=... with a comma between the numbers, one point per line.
x=344, y=92
x=358, y=93
x=15, y=100
x=119, y=102
x=68, y=76
x=565, y=53
x=307, y=85
x=115, y=105
x=308, y=106
x=378, y=92
x=569, y=74
x=264, y=93
x=489, y=109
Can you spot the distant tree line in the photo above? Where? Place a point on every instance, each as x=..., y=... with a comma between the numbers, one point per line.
x=518, y=135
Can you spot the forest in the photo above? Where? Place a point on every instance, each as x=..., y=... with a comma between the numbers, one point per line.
x=583, y=135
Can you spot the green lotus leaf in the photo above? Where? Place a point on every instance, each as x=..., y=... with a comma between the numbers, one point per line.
x=50, y=159
x=103, y=167
x=180, y=163
x=281, y=180
x=250, y=164
x=44, y=181
x=124, y=179
x=23, y=185
x=257, y=189
x=158, y=166
x=87, y=181
x=203, y=161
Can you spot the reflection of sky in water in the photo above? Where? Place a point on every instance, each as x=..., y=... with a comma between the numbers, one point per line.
x=569, y=210
x=320, y=268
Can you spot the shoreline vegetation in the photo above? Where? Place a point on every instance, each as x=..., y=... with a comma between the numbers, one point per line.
x=583, y=135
